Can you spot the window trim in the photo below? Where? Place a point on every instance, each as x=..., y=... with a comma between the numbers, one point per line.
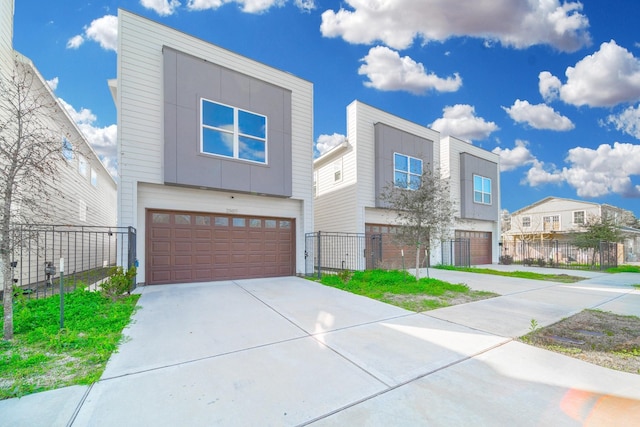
x=408, y=171
x=481, y=191
x=236, y=134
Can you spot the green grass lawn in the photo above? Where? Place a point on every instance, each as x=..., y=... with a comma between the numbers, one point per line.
x=402, y=289
x=562, y=278
x=43, y=357
x=624, y=269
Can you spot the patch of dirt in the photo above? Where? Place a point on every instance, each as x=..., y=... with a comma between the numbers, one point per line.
x=598, y=337
x=421, y=302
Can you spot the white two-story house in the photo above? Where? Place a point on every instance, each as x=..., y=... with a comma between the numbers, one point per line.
x=79, y=193
x=350, y=179
x=215, y=154
x=558, y=219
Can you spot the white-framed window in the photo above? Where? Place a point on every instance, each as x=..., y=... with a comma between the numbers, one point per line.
x=82, y=165
x=407, y=171
x=337, y=171
x=578, y=217
x=94, y=177
x=67, y=149
x=232, y=132
x=481, y=190
x=551, y=223
x=526, y=222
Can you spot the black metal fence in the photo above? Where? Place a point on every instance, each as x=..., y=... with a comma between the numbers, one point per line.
x=560, y=254
x=88, y=254
x=329, y=252
x=456, y=252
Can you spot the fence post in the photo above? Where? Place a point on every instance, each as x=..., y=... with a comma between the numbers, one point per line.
x=319, y=254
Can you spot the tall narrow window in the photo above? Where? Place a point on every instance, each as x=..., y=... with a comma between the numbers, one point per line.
x=67, y=149
x=82, y=165
x=232, y=132
x=526, y=221
x=94, y=177
x=407, y=171
x=481, y=190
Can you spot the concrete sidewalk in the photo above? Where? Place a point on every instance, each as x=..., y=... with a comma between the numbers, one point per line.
x=288, y=351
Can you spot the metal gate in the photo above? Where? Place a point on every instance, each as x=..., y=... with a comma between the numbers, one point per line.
x=331, y=252
x=457, y=252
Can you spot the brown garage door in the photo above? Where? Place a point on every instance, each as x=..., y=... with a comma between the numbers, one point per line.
x=193, y=247
x=480, y=245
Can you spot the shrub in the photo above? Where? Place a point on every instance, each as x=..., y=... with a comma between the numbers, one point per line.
x=528, y=261
x=541, y=262
x=506, y=259
x=119, y=282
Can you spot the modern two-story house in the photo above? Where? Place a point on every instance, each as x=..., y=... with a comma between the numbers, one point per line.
x=350, y=179
x=215, y=153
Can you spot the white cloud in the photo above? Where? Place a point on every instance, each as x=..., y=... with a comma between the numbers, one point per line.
x=326, y=142
x=53, y=83
x=249, y=6
x=460, y=121
x=75, y=42
x=628, y=121
x=539, y=175
x=518, y=24
x=539, y=116
x=305, y=5
x=161, y=7
x=594, y=173
x=102, y=139
x=549, y=86
x=604, y=170
x=513, y=158
x=388, y=71
x=102, y=30
x=608, y=77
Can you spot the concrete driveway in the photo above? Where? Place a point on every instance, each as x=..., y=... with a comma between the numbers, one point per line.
x=288, y=351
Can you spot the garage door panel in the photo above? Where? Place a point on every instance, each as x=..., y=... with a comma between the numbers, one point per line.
x=188, y=246
x=182, y=233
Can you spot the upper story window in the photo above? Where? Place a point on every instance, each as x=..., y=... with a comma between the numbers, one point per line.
x=578, y=217
x=94, y=177
x=481, y=189
x=337, y=171
x=526, y=221
x=407, y=171
x=82, y=165
x=67, y=149
x=551, y=223
x=232, y=132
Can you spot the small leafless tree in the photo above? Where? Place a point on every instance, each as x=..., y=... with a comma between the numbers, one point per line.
x=424, y=214
x=31, y=146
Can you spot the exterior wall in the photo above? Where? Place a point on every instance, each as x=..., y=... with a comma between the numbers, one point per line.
x=460, y=160
x=6, y=34
x=361, y=133
x=388, y=141
x=141, y=136
x=187, y=80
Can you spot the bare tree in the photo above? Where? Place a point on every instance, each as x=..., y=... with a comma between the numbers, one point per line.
x=424, y=214
x=31, y=148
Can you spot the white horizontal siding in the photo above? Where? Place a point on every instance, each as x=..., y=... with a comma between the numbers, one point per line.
x=336, y=211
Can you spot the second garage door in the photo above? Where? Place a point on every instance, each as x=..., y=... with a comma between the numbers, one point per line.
x=193, y=247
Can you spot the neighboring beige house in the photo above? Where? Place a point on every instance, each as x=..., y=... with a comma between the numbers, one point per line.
x=349, y=180
x=557, y=219
x=215, y=154
x=85, y=194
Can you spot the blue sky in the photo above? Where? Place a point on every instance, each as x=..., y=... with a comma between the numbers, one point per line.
x=553, y=87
